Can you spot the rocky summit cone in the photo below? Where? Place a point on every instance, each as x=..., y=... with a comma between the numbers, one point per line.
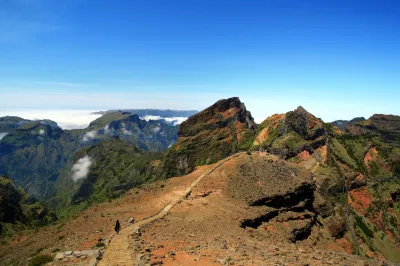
x=211, y=135
x=289, y=134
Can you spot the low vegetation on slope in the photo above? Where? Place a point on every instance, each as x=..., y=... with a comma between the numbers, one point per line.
x=113, y=167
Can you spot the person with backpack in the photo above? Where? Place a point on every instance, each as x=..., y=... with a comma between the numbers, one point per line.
x=117, y=226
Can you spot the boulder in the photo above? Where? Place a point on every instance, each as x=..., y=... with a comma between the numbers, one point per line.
x=59, y=256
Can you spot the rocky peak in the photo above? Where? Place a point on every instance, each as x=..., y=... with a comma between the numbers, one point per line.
x=300, y=109
x=211, y=135
x=219, y=115
x=290, y=134
x=304, y=123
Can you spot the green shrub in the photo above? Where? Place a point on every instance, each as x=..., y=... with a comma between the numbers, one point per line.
x=360, y=223
x=40, y=260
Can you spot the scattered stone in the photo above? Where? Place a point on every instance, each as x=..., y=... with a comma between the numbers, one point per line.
x=68, y=253
x=59, y=256
x=224, y=261
x=65, y=260
x=91, y=253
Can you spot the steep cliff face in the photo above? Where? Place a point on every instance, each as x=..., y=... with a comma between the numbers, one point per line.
x=289, y=134
x=18, y=209
x=211, y=135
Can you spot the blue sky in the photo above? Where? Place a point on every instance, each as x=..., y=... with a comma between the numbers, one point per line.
x=338, y=59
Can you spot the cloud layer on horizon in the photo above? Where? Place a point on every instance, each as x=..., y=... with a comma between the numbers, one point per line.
x=66, y=119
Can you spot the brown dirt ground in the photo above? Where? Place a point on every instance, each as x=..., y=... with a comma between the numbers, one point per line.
x=203, y=229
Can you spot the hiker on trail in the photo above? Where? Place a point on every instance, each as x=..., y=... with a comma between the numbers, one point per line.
x=117, y=226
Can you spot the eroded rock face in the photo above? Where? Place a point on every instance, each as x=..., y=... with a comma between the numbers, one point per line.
x=211, y=135
x=289, y=134
x=280, y=196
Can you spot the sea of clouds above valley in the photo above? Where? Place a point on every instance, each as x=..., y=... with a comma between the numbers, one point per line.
x=72, y=119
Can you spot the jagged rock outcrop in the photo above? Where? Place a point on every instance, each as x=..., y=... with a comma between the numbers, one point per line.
x=289, y=134
x=211, y=135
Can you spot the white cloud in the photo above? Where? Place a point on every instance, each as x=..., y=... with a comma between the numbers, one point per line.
x=41, y=131
x=66, y=119
x=156, y=129
x=3, y=134
x=175, y=120
x=90, y=135
x=126, y=132
x=81, y=168
x=106, y=129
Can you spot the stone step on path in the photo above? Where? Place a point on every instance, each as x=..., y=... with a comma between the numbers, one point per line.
x=118, y=252
x=77, y=258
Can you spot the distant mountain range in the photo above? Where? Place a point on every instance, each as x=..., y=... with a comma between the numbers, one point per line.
x=39, y=154
x=342, y=124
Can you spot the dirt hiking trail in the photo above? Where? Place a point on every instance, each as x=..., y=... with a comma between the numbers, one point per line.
x=118, y=252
